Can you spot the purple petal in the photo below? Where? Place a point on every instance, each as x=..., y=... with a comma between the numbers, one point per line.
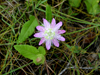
x=42, y=41
x=46, y=23
x=61, y=31
x=40, y=28
x=59, y=37
x=53, y=23
x=58, y=25
x=40, y=34
x=55, y=42
x=48, y=44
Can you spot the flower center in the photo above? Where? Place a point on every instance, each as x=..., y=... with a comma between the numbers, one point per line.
x=49, y=34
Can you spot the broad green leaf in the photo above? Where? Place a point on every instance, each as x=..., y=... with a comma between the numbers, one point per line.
x=48, y=13
x=42, y=50
x=39, y=59
x=27, y=29
x=27, y=51
x=75, y=3
x=92, y=6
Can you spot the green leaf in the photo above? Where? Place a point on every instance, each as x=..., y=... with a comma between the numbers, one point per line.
x=27, y=51
x=75, y=3
x=27, y=29
x=89, y=62
x=92, y=6
x=39, y=59
x=42, y=50
x=68, y=46
x=48, y=13
x=71, y=12
x=99, y=55
x=76, y=49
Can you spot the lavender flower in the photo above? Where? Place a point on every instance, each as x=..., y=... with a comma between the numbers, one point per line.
x=50, y=33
